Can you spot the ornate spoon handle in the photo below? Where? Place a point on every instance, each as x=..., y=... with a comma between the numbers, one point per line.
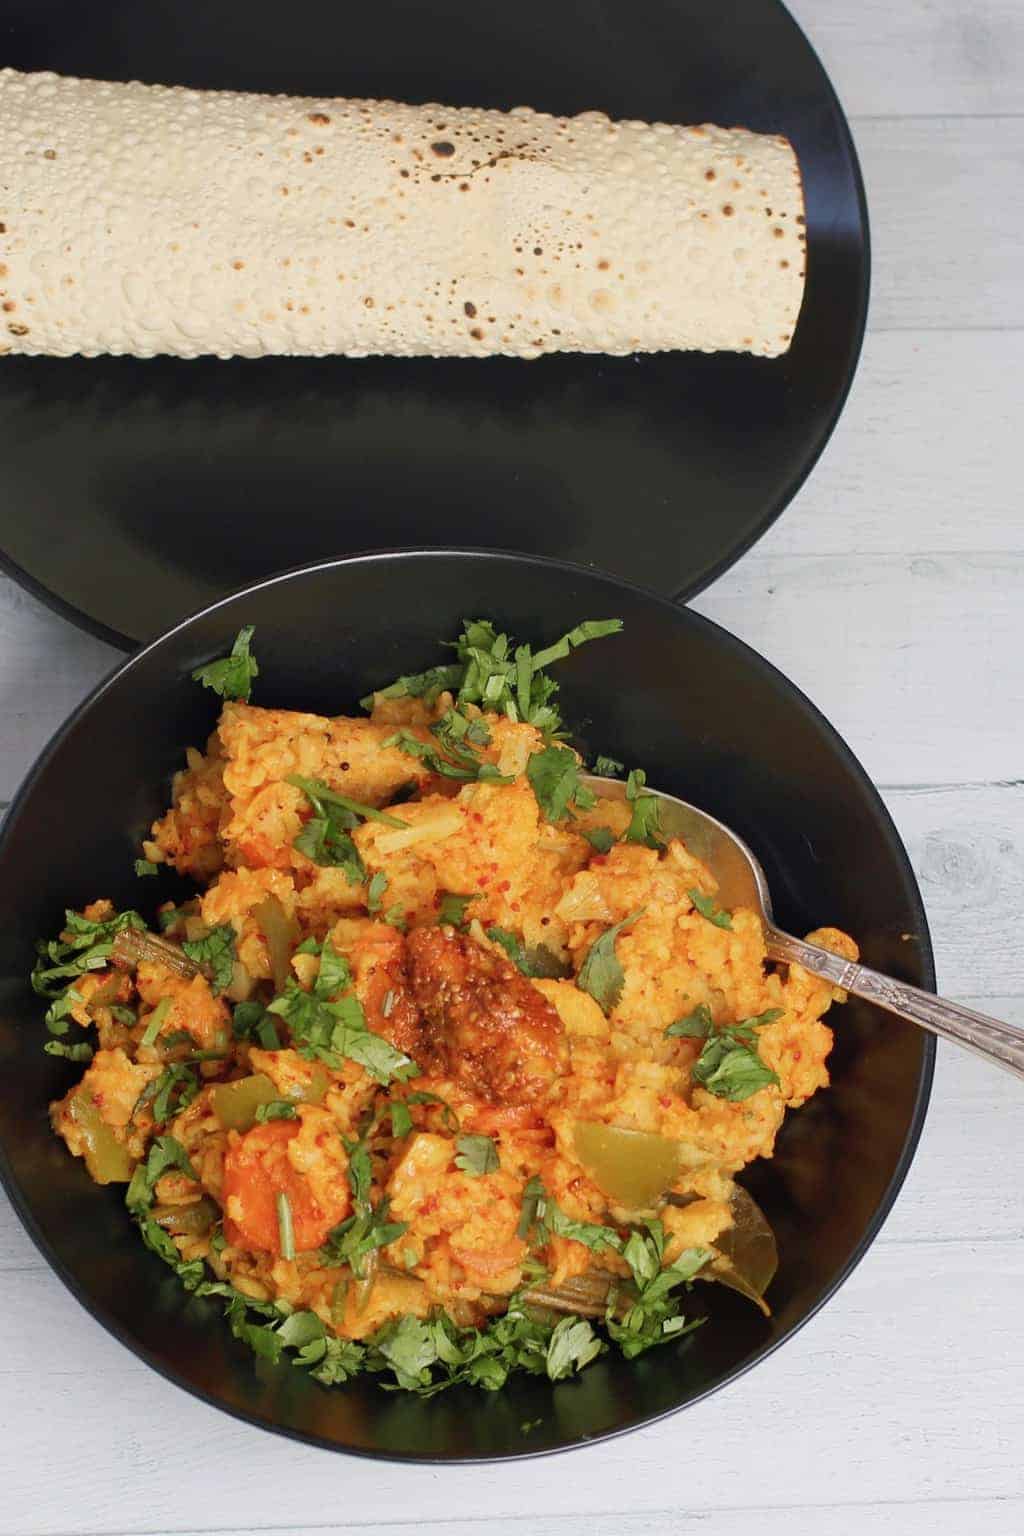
x=997, y=1042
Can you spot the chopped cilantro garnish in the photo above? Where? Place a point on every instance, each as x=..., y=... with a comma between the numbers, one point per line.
x=466, y=766
x=216, y=950
x=401, y=1120
x=419, y=685
x=165, y=1153
x=84, y=946
x=496, y=674
x=325, y=837
x=277, y=1109
x=337, y=1030
x=542, y=1217
x=155, y=1022
x=80, y=1052
x=707, y=908
x=246, y=1020
x=145, y=867
x=318, y=793
x=600, y=838
x=607, y=767
x=395, y=917
x=375, y=891
x=170, y=917
x=232, y=675
x=573, y=1344
x=537, y=961
x=355, y=1238
x=654, y=1317
x=601, y=974
x=729, y=1066
x=334, y=975
x=453, y=908
x=477, y=1155
x=554, y=776
x=171, y=1092
x=645, y=825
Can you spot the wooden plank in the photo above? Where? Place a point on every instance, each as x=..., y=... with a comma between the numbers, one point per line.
x=910, y=1323
x=46, y=667
x=1001, y=1517
x=947, y=226
x=920, y=56
x=913, y=658
x=925, y=458
x=967, y=848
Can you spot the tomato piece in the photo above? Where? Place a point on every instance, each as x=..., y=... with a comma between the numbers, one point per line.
x=257, y=1168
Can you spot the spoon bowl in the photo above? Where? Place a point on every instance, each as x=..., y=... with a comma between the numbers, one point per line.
x=743, y=883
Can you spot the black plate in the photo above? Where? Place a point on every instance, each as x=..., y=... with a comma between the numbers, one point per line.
x=132, y=492
x=711, y=722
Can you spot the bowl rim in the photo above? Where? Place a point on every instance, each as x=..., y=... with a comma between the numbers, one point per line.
x=758, y=663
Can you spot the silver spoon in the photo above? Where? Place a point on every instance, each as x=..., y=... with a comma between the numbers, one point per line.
x=742, y=883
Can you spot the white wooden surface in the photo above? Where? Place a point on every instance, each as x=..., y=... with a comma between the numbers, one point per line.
x=893, y=592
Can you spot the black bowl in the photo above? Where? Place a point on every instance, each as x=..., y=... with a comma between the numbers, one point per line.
x=710, y=721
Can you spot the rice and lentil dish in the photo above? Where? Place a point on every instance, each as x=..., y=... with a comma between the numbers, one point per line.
x=445, y=1062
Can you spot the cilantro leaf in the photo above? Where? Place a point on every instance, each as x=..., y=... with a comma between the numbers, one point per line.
x=607, y=767
x=325, y=837
x=401, y=1120
x=395, y=917
x=453, y=908
x=645, y=825
x=654, y=1318
x=165, y=1153
x=419, y=685
x=601, y=973
x=232, y=675
x=600, y=838
x=477, y=1155
x=334, y=974
x=353, y=1239
x=170, y=917
x=248, y=1020
x=541, y=1216
x=467, y=767
x=85, y=945
x=171, y=1092
x=375, y=891
x=554, y=776
x=495, y=674
x=538, y=961
x=216, y=950
x=573, y=1344
x=277, y=1109
x=731, y=1072
x=409, y=1347
x=336, y=1031
x=729, y=1065
x=80, y=1052
x=320, y=794
x=694, y=1026
x=707, y=908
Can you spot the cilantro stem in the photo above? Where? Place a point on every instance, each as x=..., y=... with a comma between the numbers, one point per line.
x=156, y=1020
